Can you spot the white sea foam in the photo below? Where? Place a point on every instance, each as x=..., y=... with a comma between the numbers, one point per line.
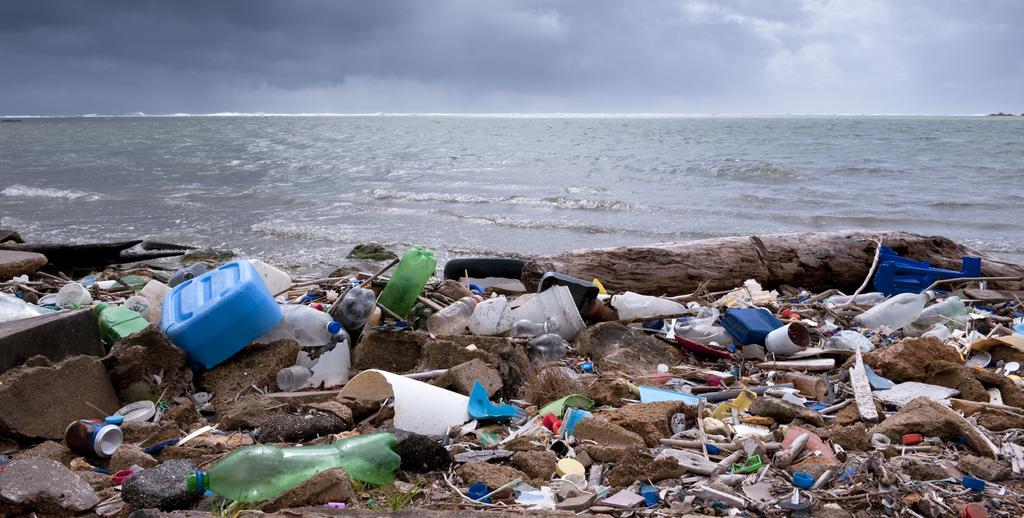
x=25, y=191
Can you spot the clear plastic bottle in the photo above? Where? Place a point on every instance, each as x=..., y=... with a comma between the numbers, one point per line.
x=548, y=348
x=293, y=378
x=308, y=326
x=849, y=340
x=412, y=273
x=355, y=309
x=531, y=328
x=950, y=311
x=865, y=299
x=453, y=319
x=896, y=312
x=258, y=473
x=139, y=304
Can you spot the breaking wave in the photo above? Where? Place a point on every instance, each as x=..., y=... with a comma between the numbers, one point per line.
x=24, y=191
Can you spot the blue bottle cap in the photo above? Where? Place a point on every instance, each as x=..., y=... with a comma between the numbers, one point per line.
x=114, y=419
x=476, y=289
x=587, y=367
x=803, y=480
x=333, y=327
x=477, y=491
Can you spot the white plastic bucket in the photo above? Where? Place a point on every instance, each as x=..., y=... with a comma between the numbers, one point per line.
x=555, y=303
x=491, y=317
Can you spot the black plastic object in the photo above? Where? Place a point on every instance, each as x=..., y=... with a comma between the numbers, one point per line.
x=581, y=290
x=481, y=268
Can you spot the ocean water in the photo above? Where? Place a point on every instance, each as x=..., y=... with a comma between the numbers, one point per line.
x=301, y=190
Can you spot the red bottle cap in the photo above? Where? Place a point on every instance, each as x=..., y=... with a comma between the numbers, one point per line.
x=912, y=439
x=552, y=422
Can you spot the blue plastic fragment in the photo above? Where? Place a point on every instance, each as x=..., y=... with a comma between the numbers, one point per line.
x=749, y=325
x=481, y=408
x=974, y=484
x=897, y=274
x=877, y=382
x=159, y=447
x=476, y=289
x=654, y=395
x=713, y=450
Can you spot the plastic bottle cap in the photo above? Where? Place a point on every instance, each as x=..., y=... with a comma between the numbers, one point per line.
x=114, y=419
x=803, y=480
x=196, y=482
x=333, y=327
x=662, y=367
x=569, y=466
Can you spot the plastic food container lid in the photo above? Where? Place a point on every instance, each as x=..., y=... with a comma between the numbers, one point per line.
x=137, y=412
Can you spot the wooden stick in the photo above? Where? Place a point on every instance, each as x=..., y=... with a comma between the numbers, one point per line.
x=871, y=272
x=380, y=272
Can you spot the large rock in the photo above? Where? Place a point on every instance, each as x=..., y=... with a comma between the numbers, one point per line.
x=909, y=359
x=392, y=351
x=615, y=347
x=931, y=419
x=46, y=486
x=958, y=377
x=249, y=412
x=493, y=475
x=462, y=377
x=13, y=264
x=538, y=465
x=652, y=421
x=422, y=453
x=605, y=433
x=815, y=260
x=297, y=428
x=332, y=485
x=985, y=468
x=129, y=455
x=39, y=402
x=55, y=336
x=162, y=487
x=642, y=466
x=784, y=411
x=513, y=364
x=136, y=363
x=257, y=364
x=48, y=450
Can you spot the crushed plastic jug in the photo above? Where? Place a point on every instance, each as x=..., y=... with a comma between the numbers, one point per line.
x=491, y=317
x=848, y=340
x=636, y=306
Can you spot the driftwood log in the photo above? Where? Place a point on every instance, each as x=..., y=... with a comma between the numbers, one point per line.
x=813, y=260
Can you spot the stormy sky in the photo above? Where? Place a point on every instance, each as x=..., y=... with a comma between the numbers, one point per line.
x=678, y=56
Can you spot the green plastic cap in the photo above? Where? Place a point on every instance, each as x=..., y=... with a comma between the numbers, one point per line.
x=98, y=308
x=196, y=482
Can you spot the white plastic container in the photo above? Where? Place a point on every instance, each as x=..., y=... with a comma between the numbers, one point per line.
x=308, y=326
x=639, y=307
x=557, y=305
x=491, y=317
x=72, y=295
x=332, y=368
x=896, y=312
x=788, y=339
x=865, y=299
x=275, y=279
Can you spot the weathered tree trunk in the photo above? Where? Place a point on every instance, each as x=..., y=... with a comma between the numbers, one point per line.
x=812, y=260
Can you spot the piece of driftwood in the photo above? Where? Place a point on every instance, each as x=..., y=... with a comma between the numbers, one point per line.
x=862, y=390
x=813, y=260
x=64, y=256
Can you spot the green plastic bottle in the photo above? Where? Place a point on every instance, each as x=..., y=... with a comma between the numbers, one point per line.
x=415, y=268
x=117, y=322
x=258, y=473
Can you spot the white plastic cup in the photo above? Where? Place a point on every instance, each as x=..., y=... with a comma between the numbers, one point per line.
x=788, y=339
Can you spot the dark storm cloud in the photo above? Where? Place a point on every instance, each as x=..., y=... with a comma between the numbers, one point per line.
x=451, y=55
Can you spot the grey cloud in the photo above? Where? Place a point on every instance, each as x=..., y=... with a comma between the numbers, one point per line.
x=940, y=56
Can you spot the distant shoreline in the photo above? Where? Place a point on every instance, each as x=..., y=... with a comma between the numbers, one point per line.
x=554, y=115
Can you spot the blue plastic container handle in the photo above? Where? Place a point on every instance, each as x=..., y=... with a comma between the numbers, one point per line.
x=803, y=480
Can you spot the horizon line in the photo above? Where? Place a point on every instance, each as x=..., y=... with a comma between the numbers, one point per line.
x=524, y=115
